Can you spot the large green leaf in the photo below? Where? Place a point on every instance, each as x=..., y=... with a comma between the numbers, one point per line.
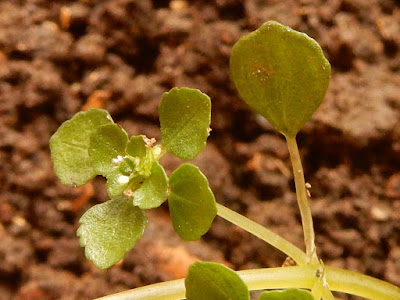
x=111, y=229
x=107, y=148
x=289, y=294
x=208, y=280
x=281, y=73
x=185, y=116
x=154, y=190
x=69, y=146
x=191, y=202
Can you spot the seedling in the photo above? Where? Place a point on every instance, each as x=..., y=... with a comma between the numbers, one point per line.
x=283, y=75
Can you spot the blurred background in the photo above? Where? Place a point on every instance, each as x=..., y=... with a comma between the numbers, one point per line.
x=60, y=57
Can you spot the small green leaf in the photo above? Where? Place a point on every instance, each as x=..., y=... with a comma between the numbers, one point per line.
x=282, y=74
x=289, y=294
x=127, y=166
x=143, y=155
x=191, y=202
x=111, y=229
x=185, y=116
x=136, y=147
x=69, y=146
x=154, y=190
x=146, y=163
x=208, y=280
x=107, y=148
x=117, y=183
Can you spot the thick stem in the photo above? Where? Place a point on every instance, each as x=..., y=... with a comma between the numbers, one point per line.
x=302, y=199
x=361, y=285
x=263, y=233
x=276, y=278
x=272, y=278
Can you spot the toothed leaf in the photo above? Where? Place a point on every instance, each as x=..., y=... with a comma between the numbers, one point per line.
x=109, y=230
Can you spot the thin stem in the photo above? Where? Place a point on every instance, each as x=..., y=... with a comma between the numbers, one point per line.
x=302, y=199
x=263, y=233
x=277, y=278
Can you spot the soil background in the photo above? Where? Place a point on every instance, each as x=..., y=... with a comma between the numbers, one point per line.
x=59, y=57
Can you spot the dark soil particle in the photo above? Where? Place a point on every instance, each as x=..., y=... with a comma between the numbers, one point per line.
x=123, y=54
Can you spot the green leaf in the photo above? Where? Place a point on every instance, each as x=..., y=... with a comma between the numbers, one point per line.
x=154, y=190
x=69, y=146
x=136, y=147
x=280, y=73
x=208, y=280
x=111, y=229
x=127, y=166
x=117, y=183
x=143, y=155
x=107, y=148
x=289, y=294
x=185, y=116
x=146, y=163
x=191, y=202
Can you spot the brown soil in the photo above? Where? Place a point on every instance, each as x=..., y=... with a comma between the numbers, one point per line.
x=122, y=55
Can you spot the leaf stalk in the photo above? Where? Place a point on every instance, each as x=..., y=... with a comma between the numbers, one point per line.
x=263, y=233
x=302, y=199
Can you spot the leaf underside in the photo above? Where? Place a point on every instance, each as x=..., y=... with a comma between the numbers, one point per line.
x=280, y=73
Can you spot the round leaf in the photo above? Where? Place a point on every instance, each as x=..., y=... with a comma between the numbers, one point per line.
x=107, y=148
x=289, y=294
x=111, y=229
x=185, y=116
x=69, y=146
x=154, y=190
x=136, y=147
x=280, y=73
x=208, y=280
x=191, y=202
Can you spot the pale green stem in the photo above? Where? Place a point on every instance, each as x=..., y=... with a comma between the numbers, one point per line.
x=317, y=290
x=302, y=199
x=327, y=294
x=276, y=278
x=263, y=233
x=360, y=284
x=321, y=290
